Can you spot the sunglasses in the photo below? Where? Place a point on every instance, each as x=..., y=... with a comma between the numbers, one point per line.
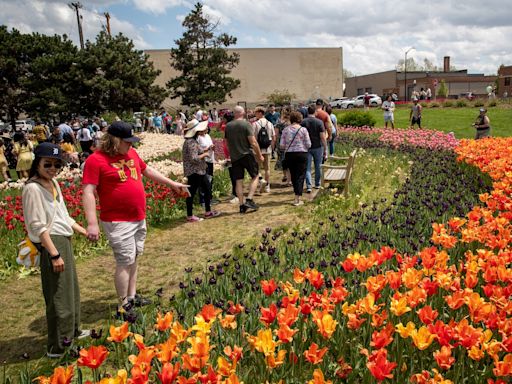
x=54, y=165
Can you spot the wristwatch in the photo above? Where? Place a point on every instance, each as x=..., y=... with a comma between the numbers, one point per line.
x=57, y=256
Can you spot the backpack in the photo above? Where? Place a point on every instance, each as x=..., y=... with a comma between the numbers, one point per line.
x=263, y=139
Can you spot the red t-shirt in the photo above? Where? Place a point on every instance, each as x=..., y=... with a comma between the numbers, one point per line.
x=324, y=116
x=119, y=185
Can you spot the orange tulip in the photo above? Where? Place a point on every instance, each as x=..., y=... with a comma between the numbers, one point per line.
x=288, y=316
x=119, y=334
x=285, y=333
x=298, y=276
x=273, y=361
x=379, y=366
x=399, y=306
x=60, y=375
x=224, y=367
x=422, y=338
x=325, y=323
x=427, y=315
x=209, y=313
x=406, y=331
x=167, y=351
x=268, y=287
x=315, y=355
x=93, y=356
x=444, y=357
x=169, y=373
x=318, y=378
x=120, y=378
x=268, y=315
x=163, y=323
x=228, y=321
x=382, y=338
x=503, y=368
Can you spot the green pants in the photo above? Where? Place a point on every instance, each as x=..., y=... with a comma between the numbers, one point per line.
x=61, y=295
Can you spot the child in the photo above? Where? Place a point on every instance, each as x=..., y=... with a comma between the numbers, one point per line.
x=3, y=162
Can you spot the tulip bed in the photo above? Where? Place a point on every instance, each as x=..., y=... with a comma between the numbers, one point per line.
x=415, y=289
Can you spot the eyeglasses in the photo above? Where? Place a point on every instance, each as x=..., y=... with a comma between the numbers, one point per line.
x=54, y=165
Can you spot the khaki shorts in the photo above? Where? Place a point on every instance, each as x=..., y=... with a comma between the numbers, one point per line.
x=265, y=164
x=126, y=238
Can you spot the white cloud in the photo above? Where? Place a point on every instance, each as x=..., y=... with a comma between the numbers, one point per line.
x=156, y=7
x=151, y=28
x=56, y=17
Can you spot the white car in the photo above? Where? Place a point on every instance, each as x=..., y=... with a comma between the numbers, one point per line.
x=358, y=102
x=336, y=103
x=23, y=125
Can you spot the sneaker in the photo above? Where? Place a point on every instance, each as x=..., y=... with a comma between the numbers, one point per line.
x=308, y=190
x=318, y=187
x=211, y=214
x=267, y=189
x=297, y=203
x=82, y=334
x=243, y=208
x=249, y=203
x=127, y=312
x=140, y=301
x=262, y=185
x=234, y=200
x=194, y=219
x=54, y=355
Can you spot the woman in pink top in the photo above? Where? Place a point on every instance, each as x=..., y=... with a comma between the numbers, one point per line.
x=295, y=143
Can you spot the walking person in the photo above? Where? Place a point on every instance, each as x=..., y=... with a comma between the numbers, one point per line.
x=245, y=154
x=284, y=121
x=265, y=136
x=4, y=166
x=198, y=162
x=482, y=125
x=295, y=142
x=50, y=228
x=84, y=137
x=415, y=113
x=317, y=152
x=23, y=149
x=114, y=173
x=389, y=107
x=334, y=128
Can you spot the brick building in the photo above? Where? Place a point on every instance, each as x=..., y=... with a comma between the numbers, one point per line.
x=505, y=81
x=388, y=82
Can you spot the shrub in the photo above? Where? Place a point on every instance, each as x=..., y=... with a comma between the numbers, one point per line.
x=356, y=119
x=424, y=105
x=478, y=103
x=461, y=103
x=447, y=103
x=434, y=105
x=492, y=103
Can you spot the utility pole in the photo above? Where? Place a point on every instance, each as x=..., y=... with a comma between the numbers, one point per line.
x=107, y=16
x=76, y=6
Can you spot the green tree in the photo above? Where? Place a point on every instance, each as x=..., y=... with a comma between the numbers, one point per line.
x=113, y=76
x=443, y=89
x=49, y=87
x=14, y=61
x=280, y=97
x=203, y=62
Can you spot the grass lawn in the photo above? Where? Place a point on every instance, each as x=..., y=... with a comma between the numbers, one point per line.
x=457, y=120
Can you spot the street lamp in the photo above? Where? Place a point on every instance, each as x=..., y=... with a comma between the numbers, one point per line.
x=405, y=72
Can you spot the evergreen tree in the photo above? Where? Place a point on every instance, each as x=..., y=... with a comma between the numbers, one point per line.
x=113, y=76
x=203, y=61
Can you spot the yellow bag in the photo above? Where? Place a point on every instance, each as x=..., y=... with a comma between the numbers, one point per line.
x=28, y=254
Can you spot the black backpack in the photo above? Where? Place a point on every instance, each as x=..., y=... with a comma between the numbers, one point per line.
x=263, y=139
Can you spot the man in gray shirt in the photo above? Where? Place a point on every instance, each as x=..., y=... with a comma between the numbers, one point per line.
x=239, y=136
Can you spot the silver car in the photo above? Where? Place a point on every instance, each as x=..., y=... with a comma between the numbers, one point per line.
x=358, y=102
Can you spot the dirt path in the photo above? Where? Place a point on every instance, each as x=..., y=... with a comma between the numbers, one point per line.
x=168, y=252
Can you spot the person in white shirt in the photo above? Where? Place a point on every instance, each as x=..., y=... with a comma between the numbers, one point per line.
x=263, y=123
x=50, y=227
x=389, y=107
x=206, y=144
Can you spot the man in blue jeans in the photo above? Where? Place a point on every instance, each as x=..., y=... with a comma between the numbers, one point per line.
x=318, y=150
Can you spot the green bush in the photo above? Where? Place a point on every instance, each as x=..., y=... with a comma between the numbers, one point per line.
x=478, y=103
x=448, y=103
x=461, y=103
x=356, y=119
x=492, y=103
x=424, y=105
x=434, y=105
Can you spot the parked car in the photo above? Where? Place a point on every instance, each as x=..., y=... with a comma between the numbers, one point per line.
x=336, y=103
x=358, y=102
x=467, y=95
x=24, y=125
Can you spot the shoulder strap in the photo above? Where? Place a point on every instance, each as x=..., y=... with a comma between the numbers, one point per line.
x=291, y=142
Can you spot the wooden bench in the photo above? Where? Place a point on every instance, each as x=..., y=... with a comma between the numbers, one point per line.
x=338, y=174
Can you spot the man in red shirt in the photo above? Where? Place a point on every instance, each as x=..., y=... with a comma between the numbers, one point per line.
x=324, y=116
x=114, y=173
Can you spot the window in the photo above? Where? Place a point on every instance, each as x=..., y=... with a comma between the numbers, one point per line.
x=369, y=90
x=507, y=80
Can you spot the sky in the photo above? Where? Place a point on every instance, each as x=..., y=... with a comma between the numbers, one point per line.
x=374, y=34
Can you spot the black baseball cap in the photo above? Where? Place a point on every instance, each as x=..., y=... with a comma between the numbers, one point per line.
x=48, y=150
x=123, y=131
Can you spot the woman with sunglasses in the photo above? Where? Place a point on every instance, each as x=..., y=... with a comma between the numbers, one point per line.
x=50, y=228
